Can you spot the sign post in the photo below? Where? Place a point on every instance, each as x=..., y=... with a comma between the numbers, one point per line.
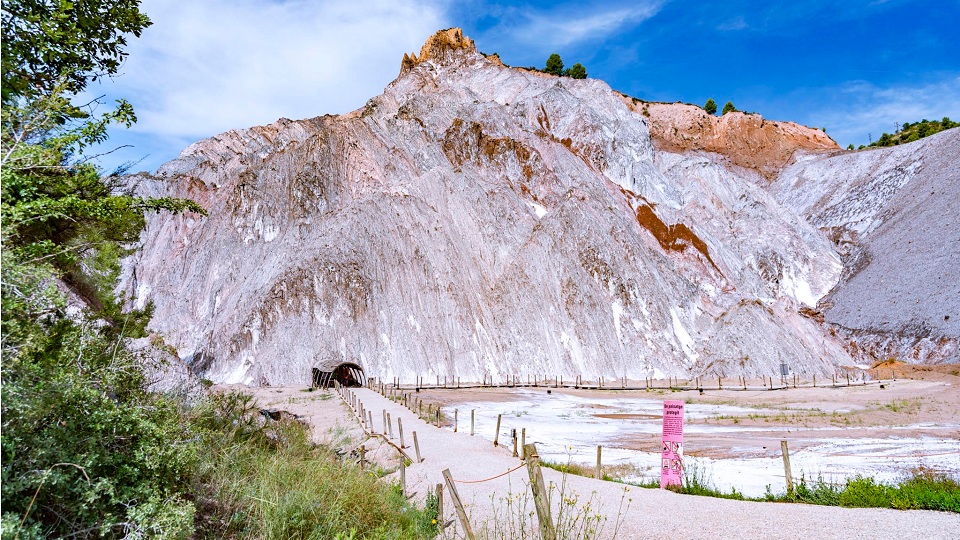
x=671, y=456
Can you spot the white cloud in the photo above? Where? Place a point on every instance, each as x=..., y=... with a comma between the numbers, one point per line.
x=860, y=109
x=734, y=24
x=564, y=27
x=206, y=67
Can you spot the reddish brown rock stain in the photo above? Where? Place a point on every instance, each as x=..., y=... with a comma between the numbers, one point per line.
x=672, y=237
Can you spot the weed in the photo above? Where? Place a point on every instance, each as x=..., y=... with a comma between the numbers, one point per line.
x=514, y=516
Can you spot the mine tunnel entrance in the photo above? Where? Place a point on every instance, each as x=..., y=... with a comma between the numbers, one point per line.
x=347, y=374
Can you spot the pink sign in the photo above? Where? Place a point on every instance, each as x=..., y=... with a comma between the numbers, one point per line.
x=671, y=456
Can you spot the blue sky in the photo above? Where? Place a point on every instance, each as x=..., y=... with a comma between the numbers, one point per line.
x=854, y=67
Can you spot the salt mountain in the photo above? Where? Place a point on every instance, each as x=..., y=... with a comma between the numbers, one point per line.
x=479, y=220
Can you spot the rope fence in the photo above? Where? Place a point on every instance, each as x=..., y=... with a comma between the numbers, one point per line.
x=517, y=468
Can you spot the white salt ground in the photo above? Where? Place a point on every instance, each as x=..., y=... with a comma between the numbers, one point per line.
x=575, y=437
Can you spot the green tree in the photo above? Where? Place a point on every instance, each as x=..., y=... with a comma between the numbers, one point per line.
x=86, y=450
x=577, y=71
x=710, y=106
x=728, y=107
x=48, y=43
x=554, y=65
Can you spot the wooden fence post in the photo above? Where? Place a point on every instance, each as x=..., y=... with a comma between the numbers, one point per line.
x=440, y=519
x=496, y=434
x=456, y=419
x=547, y=529
x=390, y=425
x=416, y=446
x=384, y=421
x=523, y=443
x=403, y=475
x=472, y=411
x=513, y=432
x=598, y=475
x=458, y=505
x=363, y=455
x=400, y=428
x=786, y=466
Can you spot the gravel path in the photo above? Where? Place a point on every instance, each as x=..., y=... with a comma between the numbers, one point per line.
x=652, y=513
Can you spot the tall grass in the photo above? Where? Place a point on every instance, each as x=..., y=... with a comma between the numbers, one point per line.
x=922, y=489
x=919, y=489
x=266, y=480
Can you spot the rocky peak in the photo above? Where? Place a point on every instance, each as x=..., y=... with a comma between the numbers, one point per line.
x=438, y=47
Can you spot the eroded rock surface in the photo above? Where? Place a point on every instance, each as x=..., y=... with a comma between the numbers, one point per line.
x=476, y=220
x=893, y=215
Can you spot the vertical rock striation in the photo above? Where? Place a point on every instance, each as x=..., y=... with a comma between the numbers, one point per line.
x=476, y=220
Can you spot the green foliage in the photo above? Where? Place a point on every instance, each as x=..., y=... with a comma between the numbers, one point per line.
x=554, y=65
x=268, y=481
x=915, y=131
x=577, y=71
x=728, y=107
x=51, y=42
x=87, y=451
x=710, y=106
x=62, y=213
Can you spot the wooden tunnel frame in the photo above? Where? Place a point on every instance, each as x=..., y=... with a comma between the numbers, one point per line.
x=346, y=373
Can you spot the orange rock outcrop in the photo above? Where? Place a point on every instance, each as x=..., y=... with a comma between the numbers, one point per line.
x=745, y=140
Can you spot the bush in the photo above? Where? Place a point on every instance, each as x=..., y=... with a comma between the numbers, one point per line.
x=577, y=71
x=86, y=450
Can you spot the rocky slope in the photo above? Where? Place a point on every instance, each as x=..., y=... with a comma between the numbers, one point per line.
x=892, y=213
x=476, y=220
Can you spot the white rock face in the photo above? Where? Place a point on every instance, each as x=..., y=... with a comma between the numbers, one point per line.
x=476, y=220
x=893, y=213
